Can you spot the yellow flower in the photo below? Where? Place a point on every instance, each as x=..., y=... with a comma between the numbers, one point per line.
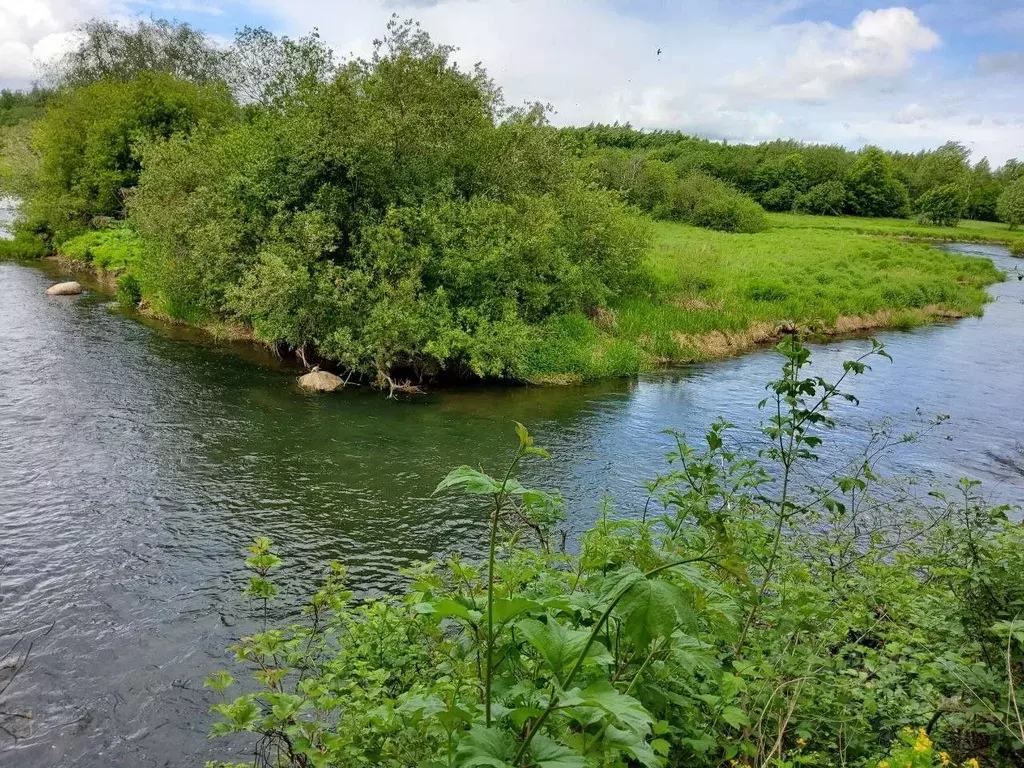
x=884, y=764
x=801, y=742
x=972, y=763
x=944, y=757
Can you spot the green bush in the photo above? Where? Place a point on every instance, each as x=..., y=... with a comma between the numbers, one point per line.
x=704, y=201
x=109, y=250
x=1017, y=248
x=1010, y=206
x=24, y=245
x=90, y=139
x=942, y=205
x=826, y=199
x=734, y=620
x=398, y=220
x=873, y=187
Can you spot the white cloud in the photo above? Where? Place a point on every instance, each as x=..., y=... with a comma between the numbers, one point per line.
x=734, y=69
x=879, y=45
x=34, y=31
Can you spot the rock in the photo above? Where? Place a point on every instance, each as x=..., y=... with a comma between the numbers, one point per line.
x=64, y=289
x=320, y=381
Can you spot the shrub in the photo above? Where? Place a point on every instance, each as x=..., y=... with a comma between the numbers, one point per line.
x=874, y=189
x=1010, y=207
x=826, y=199
x=24, y=245
x=734, y=621
x=705, y=201
x=398, y=220
x=942, y=205
x=1017, y=248
x=90, y=138
x=111, y=250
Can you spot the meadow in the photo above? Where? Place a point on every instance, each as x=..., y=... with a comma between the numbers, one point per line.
x=716, y=294
x=967, y=230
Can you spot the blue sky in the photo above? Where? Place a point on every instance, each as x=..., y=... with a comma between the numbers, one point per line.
x=905, y=76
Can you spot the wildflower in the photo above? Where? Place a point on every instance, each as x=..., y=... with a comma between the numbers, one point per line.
x=884, y=764
x=801, y=742
x=972, y=763
x=944, y=758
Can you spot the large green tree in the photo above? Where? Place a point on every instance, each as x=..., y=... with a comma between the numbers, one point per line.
x=1011, y=204
x=873, y=188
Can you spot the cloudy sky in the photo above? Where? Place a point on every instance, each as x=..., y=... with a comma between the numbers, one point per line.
x=902, y=76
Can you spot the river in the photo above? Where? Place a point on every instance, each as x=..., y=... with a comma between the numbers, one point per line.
x=136, y=462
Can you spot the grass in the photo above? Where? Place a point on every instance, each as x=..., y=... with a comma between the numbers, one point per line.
x=966, y=231
x=718, y=294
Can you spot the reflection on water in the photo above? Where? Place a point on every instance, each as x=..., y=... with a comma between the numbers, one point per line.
x=135, y=465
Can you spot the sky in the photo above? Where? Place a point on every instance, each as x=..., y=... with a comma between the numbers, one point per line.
x=904, y=77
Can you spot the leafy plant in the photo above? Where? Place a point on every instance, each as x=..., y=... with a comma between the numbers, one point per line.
x=738, y=617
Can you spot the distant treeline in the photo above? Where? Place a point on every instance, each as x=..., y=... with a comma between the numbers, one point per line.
x=787, y=175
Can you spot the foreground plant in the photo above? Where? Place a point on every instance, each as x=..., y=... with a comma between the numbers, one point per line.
x=742, y=617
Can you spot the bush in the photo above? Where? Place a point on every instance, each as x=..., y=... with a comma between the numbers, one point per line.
x=733, y=622
x=705, y=201
x=398, y=220
x=108, y=250
x=942, y=205
x=874, y=189
x=90, y=139
x=1017, y=248
x=826, y=199
x=24, y=245
x=1010, y=207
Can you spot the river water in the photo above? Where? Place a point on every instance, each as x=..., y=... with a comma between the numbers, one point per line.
x=136, y=462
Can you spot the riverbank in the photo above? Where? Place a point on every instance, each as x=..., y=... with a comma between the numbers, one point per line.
x=718, y=294
x=713, y=295
x=967, y=231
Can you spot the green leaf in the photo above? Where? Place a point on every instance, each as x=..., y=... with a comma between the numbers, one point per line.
x=558, y=645
x=447, y=607
x=469, y=480
x=509, y=608
x=735, y=717
x=548, y=753
x=654, y=608
x=485, y=746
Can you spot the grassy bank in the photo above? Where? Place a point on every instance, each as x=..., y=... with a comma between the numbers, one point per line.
x=967, y=231
x=718, y=294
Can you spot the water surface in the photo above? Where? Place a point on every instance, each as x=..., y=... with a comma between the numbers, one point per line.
x=137, y=461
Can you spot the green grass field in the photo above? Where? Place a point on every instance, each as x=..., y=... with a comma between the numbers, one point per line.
x=718, y=294
x=966, y=231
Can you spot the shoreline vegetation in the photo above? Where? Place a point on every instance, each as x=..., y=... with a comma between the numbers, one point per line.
x=393, y=219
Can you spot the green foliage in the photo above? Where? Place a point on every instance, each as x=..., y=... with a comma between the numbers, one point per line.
x=1010, y=207
x=1017, y=248
x=942, y=205
x=398, y=220
x=741, y=618
x=109, y=250
x=704, y=201
x=110, y=50
x=22, y=106
x=826, y=199
x=874, y=189
x=24, y=245
x=91, y=138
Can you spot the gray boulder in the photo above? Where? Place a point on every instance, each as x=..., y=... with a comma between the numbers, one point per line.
x=64, y=289
x=320, y=381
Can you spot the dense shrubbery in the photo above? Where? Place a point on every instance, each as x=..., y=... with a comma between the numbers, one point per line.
x=787, y=175
x=942, y=205
x=734, y=620
x=1011, y=204
x=396, y=219
x=696, y=198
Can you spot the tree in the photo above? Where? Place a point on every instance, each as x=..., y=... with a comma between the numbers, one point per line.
x=983, y=192
x=949, y=164
x=1011, y=204
x=111, y=50
x=942, y=205
x=91, y=136
x=264, y=69
x=873, y=187
x=826, y=199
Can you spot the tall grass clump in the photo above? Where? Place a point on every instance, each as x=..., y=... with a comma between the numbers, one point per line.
x=735, y=617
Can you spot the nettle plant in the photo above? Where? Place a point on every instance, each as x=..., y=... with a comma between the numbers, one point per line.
x=744, y=616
